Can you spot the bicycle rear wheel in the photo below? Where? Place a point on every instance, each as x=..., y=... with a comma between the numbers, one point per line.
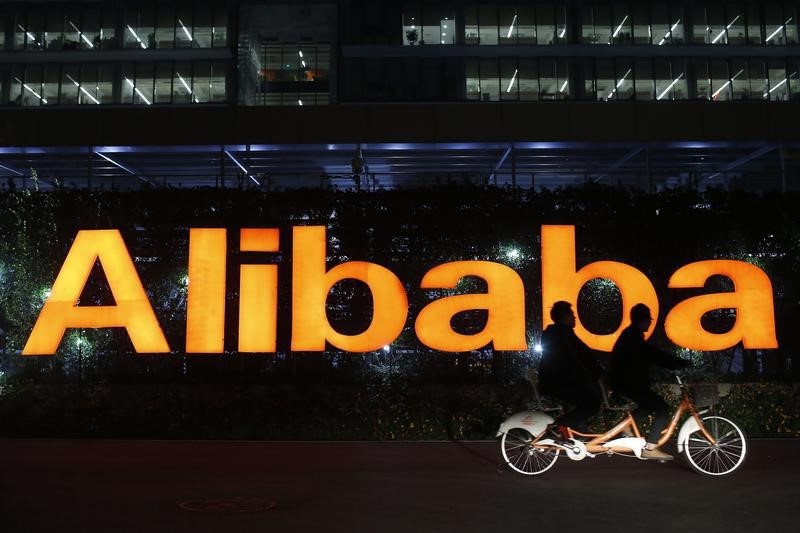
x=524, y=457
x=716, y=459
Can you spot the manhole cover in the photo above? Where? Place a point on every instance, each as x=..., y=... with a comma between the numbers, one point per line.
x=236, y=504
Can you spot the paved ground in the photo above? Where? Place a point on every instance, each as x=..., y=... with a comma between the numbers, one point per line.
x=137, y=486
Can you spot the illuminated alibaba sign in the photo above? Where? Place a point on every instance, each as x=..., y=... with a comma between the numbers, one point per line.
x=312, y=281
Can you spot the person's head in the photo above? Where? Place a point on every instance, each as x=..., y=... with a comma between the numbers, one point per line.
x=640, y=317
x=561, y=313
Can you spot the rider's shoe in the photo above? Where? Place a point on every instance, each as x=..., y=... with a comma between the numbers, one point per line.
x=657, y=454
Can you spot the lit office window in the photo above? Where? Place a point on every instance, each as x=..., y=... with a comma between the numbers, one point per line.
x=641, y=24
x=528, y=79
x=473, y=80
x=70, y=84
x=753, y=20
x=428, y=24
x=220, y=27
x=293, y=68
x=54, y=38
x=780, y=24
x=553, y=80
x=757, y=78
x=778, y=81
x=165, y=25
x=720, y=80
x=624, y=80
x=50, y=78
x=509, y=79
x=644, y=87
x=605, y=82
x=507, y=24
x=2, y=32
x=735, y=28
x=203, y=27
x=162, y=92
x=29, y=30
x=95, y=85
x=184, y=25
x=182, y=92
x=490, y=82
x=702, y=78
x=667, y=24
x=487, y=14
x=139, y=28
x=670, y=79
x=794, y=78
x=95, y=29
x=551, y=26
x=26, y=88
x=622, y=21
x=596, y=24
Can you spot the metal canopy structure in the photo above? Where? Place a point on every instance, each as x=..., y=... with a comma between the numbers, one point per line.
x=651, y=166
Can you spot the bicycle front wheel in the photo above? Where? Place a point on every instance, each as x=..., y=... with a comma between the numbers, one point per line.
x=722, y=457
x=524, y=457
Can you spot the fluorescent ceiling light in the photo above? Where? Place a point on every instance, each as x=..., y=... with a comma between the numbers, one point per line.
x=37, y=95
x=146, y=101
x=188, y=35
x=300, y=53
x=723, y=31
x=564, y=86
x=781, y=83
x=136, y=36
x=622, y=79
x=672, y=29
x=670, y=86
x=616, y=32
x=84, y=91
x=85, y=39
x=29, y=34
x=241, y=166
x=511, y=28
x=511, y=83
x=726, y=84
x=773, y=34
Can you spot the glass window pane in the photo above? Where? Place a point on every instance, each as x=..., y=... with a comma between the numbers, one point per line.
x=411, y=25
x=545, y=24
x=670, y=79
x=17, y=82
x=644, y=87
x=586, y=71
x=775, y=23
x=641, y=24
x=794, y=78
x=604, y=69
x=526, y=26
x=676, y=28
x=87, y=85
x=163, y=83
x=720, y=82
x=508, y=25
x=487, y=14
x=602, y=24
x=660, y=23
x=33, y=32
x=473, y=83
x=778, y=82
x=137, y=31
x=202, y=81
x=104, y=90
x=740, y=82
x=220, y=26
x=182, y=92
x=701, y=32
x=217, y=84
x=528, y=79
x=753, y=24
x=165, y=31
x=490, y=83
x=70, y=86
x=624, y=80
x=509, y=79
x=790, y=14
x=553, y=80
x=756, y=73
x=438, y=26
x=32, y=87
x=622, y=20
x=54, y=30
x=50, y=85
x=143, y=84
x=86, y=29
x=561, y=23
x=203, y=26
x=2, y=33
x=471, y=34
x=587, y=25
x=703, y=79
x=184, y=38
x=735, y=28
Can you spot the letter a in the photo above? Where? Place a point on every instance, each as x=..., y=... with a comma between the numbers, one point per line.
x=132, y=310
x=311, y=285
x=560, y=281
x=504, y=300
x=751, y=297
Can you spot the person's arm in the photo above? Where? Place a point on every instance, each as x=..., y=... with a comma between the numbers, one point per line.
x=662, y=358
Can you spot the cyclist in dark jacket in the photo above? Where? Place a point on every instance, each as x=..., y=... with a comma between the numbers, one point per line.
x=568, y=370
x=629, y=375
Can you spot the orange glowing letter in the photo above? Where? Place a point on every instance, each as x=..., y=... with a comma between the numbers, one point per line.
x=311, y=285
x=751, y=297
x=504, y=300
x=258, y=294
x=205, y=301
x=132, y=310
x=560, y=281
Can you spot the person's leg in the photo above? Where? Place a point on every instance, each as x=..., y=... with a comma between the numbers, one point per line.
x=648, y=402
x=586, y=400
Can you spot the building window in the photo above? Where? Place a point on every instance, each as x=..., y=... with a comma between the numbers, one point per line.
x=523, y=23
x=778, y=81
x=794, y=78
x=424, y=23
x=293, y=69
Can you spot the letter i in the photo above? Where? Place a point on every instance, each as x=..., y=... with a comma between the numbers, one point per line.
x=205, y=301
x=258, y=293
